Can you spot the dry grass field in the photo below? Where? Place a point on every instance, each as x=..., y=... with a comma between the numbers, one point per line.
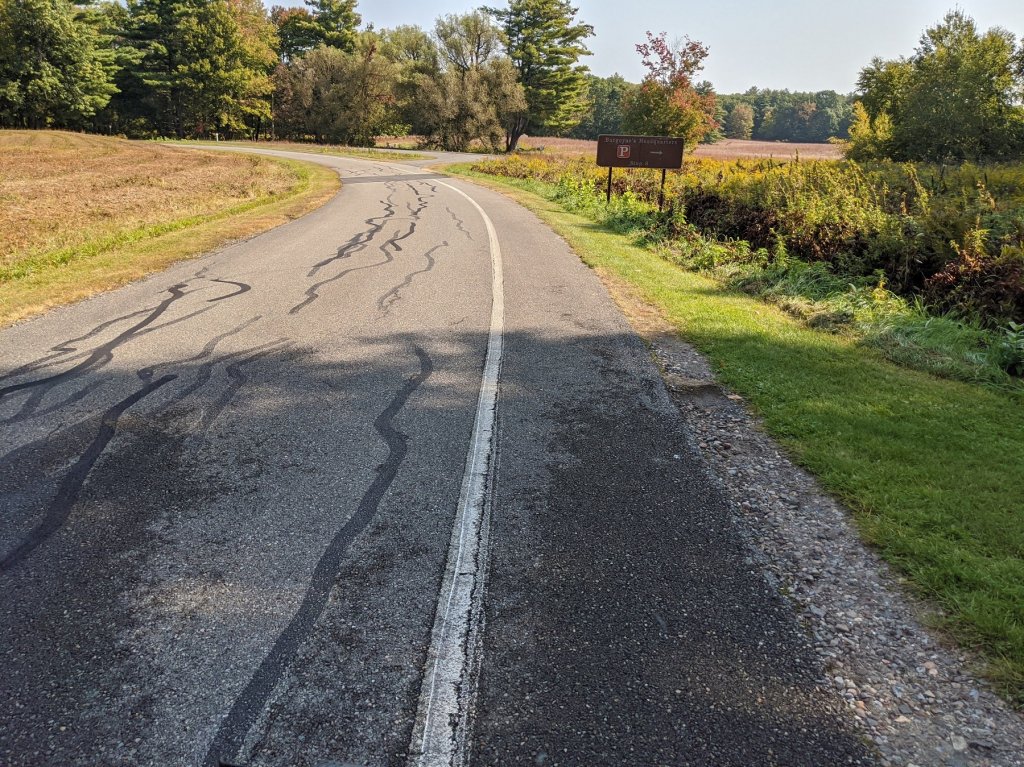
x=338, y=150
x=83, y=213
x=729, y=149
x=60, y=190
x=734, y=149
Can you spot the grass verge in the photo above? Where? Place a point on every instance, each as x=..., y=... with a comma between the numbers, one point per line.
x=932, y=469
x=32, y=285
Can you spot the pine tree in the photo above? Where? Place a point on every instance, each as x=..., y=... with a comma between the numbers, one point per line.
x=336, y=23
x=202, y=65
x=56, y=67
x=545, y=45
x=295, y=29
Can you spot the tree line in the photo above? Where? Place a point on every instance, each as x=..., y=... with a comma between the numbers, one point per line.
x=188, y=68
x=958, y=97
x=758, y=114
x=782, y=115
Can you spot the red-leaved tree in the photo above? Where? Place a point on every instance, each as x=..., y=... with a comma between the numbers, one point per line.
x=668, y=102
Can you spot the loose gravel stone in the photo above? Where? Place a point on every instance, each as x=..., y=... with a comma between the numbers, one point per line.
x=915, y=698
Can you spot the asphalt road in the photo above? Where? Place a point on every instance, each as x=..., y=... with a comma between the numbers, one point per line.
x=228, y=495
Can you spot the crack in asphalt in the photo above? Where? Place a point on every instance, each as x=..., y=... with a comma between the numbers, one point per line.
x=388, y=299
x=65, y=347
x=231, y=734
x=97, y=358
x=396, y=238
x=102, y=354
x=459, y=223
x=358, y=242
x=238, y=380
x=205, y=371
x=242, y=288
x=71, y=399
x=59, y=510
x=30, y=409
x=175, y=321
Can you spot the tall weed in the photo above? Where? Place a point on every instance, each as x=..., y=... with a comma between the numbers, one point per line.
x=924, y=263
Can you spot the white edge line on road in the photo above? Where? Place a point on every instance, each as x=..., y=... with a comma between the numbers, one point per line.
x=440, y=734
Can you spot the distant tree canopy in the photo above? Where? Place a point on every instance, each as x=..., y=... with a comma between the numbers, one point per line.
x=602, y=106
x=773, y=115
x=739, y=121
x=183, y=68
x=958, y=97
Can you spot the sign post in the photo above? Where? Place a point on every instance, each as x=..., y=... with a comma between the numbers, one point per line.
x=639, y=152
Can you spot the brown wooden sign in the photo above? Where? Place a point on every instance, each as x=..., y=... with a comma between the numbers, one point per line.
x=639, y=152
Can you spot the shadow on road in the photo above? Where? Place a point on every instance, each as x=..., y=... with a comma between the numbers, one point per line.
x=247, y=547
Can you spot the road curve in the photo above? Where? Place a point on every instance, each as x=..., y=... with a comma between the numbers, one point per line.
x=231, y=497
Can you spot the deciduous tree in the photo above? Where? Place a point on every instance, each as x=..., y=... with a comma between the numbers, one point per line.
x=739, y=123
x=415, y=55
x=332, y=96
x=667, y=103
x=957, y=98
x=475, y=91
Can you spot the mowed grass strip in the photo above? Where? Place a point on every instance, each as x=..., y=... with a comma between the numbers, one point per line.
x=932, y=469
x=80, y=214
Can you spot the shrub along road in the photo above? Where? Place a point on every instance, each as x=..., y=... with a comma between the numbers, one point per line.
x=232, y=527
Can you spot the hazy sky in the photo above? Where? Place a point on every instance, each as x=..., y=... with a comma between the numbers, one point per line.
x=806, y=45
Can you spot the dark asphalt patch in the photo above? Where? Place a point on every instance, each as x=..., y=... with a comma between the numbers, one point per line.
x=625, y=626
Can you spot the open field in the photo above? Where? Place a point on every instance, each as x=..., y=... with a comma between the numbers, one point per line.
x=81, y=213
x=729, y=149
x=398, y=142
x=931, y=468
x=360, y=153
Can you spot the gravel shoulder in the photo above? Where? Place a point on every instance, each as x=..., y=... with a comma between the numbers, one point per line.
x=911, y=693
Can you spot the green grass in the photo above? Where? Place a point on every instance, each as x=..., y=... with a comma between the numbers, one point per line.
x=329, y=149
x=41, y=282
x=932, y=469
